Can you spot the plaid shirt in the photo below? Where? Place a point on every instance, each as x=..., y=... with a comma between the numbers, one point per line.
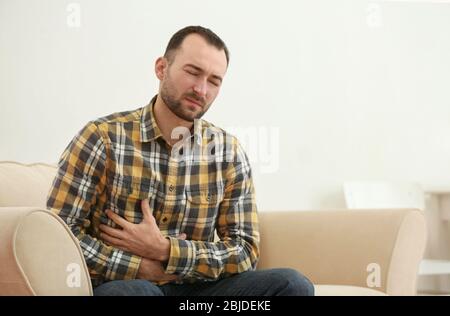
x=116, y=161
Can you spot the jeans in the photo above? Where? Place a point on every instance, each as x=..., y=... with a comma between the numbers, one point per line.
x=270, y=282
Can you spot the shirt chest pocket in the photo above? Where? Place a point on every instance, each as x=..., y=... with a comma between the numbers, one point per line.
x=203, y=197
x=126, y=194
x=204, y=202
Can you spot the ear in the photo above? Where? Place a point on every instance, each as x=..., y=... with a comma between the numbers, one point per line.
x=160, y=67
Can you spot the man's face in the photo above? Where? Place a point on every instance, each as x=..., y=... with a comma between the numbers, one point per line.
x=192, y=81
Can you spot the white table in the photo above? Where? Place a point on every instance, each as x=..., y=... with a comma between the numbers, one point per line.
x=434, y=267
x=436, y=272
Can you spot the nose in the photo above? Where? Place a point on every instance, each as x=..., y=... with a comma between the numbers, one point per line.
x=200, y=88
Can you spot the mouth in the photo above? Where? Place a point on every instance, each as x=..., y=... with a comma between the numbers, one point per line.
x=193, y=102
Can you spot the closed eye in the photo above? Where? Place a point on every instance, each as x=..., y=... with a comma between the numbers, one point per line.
x=214, y=83
x=192, y=73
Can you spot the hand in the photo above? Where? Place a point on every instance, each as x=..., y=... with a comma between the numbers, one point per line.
x=153, y=270
x=143, y=239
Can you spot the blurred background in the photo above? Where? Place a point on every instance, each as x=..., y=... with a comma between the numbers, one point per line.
x=333, y=90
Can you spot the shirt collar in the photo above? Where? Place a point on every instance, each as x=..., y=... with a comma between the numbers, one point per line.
x=150, y=130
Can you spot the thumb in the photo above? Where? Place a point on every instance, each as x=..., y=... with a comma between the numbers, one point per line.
x=182, y=236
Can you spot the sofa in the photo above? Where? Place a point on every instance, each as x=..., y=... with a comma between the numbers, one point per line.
x=343, y=252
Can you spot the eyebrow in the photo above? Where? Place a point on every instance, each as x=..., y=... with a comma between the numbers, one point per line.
x=201, y=70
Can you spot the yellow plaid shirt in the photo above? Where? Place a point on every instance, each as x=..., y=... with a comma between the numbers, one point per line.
x=116, y=161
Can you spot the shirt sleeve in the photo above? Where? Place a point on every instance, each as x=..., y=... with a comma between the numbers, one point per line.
x=236, y=225
x=80, y=178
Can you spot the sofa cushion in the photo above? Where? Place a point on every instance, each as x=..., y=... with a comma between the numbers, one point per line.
x=25, y=184
x=345, y=290
x=346, y=246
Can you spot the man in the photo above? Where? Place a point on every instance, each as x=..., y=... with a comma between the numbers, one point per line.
x=145, y=191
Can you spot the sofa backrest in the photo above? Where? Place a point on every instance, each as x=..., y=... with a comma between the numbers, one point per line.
x=25, y=184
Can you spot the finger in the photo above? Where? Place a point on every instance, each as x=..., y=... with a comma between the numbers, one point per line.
x=114, y=232
x=112, y=241
x=146, y=209
x=117, y=219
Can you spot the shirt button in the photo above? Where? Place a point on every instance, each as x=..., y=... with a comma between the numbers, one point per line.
x=171, y=188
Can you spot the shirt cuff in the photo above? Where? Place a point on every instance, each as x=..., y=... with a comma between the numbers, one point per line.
x=122, y=265
x=182, y=257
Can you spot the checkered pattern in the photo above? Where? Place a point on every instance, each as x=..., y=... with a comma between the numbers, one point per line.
x=116, y=161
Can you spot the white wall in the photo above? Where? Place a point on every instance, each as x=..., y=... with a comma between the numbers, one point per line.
x=357, y=90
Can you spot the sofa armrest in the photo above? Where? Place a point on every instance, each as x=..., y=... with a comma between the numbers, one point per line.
x=347, y=247
x=40, y=255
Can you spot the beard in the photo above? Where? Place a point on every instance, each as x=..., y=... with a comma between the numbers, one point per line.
x=169, y=94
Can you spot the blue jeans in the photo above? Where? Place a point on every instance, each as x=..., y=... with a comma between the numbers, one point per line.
x=271, y=282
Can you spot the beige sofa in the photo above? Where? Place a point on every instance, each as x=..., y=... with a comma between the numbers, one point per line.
x=343, y=252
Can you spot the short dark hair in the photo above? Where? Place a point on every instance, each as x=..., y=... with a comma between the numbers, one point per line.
x=211, y=38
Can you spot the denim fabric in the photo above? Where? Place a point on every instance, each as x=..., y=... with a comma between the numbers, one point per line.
x=271, y=282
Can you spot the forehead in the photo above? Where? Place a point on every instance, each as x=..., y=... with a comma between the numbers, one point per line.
x=195, y=50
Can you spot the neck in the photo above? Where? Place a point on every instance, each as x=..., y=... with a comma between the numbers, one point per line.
x=167, y=121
